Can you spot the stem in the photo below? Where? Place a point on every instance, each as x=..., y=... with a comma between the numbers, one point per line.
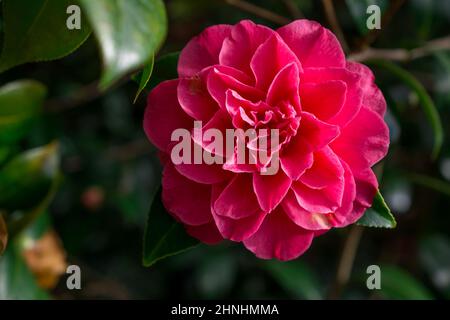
x=258, y=11
x=332, y=19
x=402, y=55
x=293, y=9
x=346, y=261
x=81, y=96
x=385, y=19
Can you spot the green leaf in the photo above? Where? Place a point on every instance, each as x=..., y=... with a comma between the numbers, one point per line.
x=379, y=215
x=429, y=182
x=38, y=228
x=27, y=178
x=129, y=33
x=296, y=278
x=164, y=237
x=144, y=76
x=358, y=12
x=4, y=154
x=165, y=68
x=17, y=281
x=20, y=103
x=35, y=30
x=426, y=102
x=399, y=284
x=21, y=219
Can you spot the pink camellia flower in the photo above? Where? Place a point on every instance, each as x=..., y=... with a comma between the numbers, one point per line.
x=329, y=114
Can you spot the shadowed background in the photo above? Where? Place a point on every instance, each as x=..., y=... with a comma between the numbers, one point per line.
x=111, y=172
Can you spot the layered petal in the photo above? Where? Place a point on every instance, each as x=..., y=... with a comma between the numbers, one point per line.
x=271, y=56
x=207, y=233
x=163, y=114
x=292, y=86
x=324, y=200
x=203, y=173
x=313, y=134
x=326, y=169
x=284, y=87
x=364, y=141
x=234, y=229
x=239, y=48
x=180, y=197
x=323, y=221
x=323, y=99
x=221, y=79
x=353, y=96
x=278, y=237
x=194, y=97
x=372, y=96
x=314, y=45
x=230, y=202
x=304, y=218
x=203, y=50
x=270, y=189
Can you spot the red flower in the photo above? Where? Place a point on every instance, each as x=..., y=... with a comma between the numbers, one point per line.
x=329, y=115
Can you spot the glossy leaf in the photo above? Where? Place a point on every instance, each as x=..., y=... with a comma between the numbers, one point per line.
x=379, y=215
x=164, y=68
x=4, y=154
x=143, y=78
x=36, y=30
x=164, y=237
x=129, y=33
x=21, y=219
x=296, y=278
x=20, y=103
x=27, y=178
x=426, y=102
x=399, y=284
x=17, y=281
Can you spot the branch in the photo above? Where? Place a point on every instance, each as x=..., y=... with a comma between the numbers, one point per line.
x=81, y=96
x=293, y=9
x=258, y=11
x=346, y=261
x=334, y=23
x=385, y=19
x=402, y=55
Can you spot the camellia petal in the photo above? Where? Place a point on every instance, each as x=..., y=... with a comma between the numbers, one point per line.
x=279, y=55
x=373, y=98
x=164, y=114
x=288, y=95
x=207, y=233
x=239, y=48
x=314, y=45
x=179, y=197
x=363, y=142
x=271, y=189
x=230, y=202
x=194, y=97
x=203, y=50
x=278, y=237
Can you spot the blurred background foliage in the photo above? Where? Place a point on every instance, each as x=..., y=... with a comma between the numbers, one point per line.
x=77, y=175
